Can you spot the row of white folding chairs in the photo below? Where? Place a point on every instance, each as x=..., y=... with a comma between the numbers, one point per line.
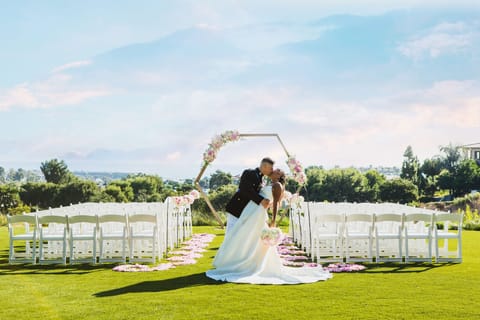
x=388, y=237
x=175, y=222
x=299, y=213
x=51, y=236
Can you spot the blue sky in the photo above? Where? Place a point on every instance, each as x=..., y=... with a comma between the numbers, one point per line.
x=143, y=85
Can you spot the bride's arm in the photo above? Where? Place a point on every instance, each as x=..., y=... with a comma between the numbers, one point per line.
x=277, y=191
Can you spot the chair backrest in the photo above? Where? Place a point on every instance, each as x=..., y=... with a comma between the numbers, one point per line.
x=449, y=218
x=389, y=217
x=53, y=219
x=23, y=218
x=112, y=218
x=142, y=218
x=27, y=220
x=359, y=217
x=339, y=218
x=413, y=217
x=82, y=219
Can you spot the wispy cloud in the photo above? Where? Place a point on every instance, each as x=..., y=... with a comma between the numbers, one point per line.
x=72, y=65
x=56, y=90
x=443, y=39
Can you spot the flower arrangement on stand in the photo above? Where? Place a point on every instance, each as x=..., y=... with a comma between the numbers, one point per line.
x=186, y=200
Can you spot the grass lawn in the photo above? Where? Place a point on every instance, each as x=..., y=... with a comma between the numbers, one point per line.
x=421, y=291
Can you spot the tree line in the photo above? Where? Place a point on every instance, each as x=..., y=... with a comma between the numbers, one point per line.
x=446, y=173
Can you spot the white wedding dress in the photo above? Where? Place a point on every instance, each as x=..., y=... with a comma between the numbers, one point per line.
x=244, y=258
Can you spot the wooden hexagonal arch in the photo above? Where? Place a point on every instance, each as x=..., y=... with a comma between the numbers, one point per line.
x=205, y=165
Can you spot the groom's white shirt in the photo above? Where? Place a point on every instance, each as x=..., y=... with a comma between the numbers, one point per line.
x=231, y=220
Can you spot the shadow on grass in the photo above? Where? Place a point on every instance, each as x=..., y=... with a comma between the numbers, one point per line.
x=54, y=269
x=193, y=280
x=403, y=268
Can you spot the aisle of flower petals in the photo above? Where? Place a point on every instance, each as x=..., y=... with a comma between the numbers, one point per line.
x=190, y=251
x=193, y=249
x=294, y=257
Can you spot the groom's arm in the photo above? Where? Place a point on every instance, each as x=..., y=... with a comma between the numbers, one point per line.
x=246, y=187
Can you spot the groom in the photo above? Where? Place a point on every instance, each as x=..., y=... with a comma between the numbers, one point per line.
x=248, y=190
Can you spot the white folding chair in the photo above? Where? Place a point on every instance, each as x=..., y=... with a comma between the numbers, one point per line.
x=83, y=238
x=327, y=237
x=112, y=230
x=29, y=236
x=418, y=237
x=444, y=254
x=388, y=237
x=143, y=230
x=54, y=231
x=359, y=237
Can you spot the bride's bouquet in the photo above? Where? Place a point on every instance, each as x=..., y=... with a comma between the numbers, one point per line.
x=271, y=236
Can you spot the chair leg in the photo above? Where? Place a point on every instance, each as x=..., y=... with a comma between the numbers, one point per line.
x=65, y=251
x=130, y=249
x=124, y=250
x=94, y=253
x=71, y=250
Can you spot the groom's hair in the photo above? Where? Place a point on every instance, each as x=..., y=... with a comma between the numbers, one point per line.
x=268, y=160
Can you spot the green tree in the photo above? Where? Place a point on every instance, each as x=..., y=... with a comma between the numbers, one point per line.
x=466, y=177
x=56, y=171
x=145, y=186
x=398, y=190
x=126, y=188
x=2, y=174
x=40, y=194
x=446, y=181
x=9, y=198
x=222, y=195
x=374, y=181
x=341, y=185
x=116, y=193
x=315, y=177
x=77, y=191
x=219, y=179
x=411, y=167
x=452, y=156
x=432, y=167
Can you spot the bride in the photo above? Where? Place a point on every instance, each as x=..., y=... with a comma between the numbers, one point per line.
x=244, y=258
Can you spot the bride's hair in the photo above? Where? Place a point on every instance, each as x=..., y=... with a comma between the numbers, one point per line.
x=281, y=178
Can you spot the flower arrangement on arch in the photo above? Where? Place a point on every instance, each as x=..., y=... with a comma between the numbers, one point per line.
x=217, y=143
x=297, y=171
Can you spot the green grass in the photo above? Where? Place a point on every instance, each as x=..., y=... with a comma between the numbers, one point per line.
x=421, y=291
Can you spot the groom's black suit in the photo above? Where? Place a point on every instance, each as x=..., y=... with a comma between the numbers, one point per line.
x=249, y=188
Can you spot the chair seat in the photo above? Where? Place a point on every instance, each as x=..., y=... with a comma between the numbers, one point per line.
x=83, y=237
x=53, y=237
x=328, y=236
x=389, y=235
x=358, y=235
x=142, y=235
x=24, y=236
x=447, y=235
x=113, y=236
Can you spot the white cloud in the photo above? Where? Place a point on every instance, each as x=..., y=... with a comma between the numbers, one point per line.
x=72, y=65
x=56, y=90
x=443, y=39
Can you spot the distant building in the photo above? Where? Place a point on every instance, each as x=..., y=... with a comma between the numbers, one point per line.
x=472, y=151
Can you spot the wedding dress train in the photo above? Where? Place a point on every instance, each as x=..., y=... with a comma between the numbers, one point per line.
x=244, y=258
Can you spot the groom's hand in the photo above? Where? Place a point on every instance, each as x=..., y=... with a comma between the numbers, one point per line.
x=265, y=203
